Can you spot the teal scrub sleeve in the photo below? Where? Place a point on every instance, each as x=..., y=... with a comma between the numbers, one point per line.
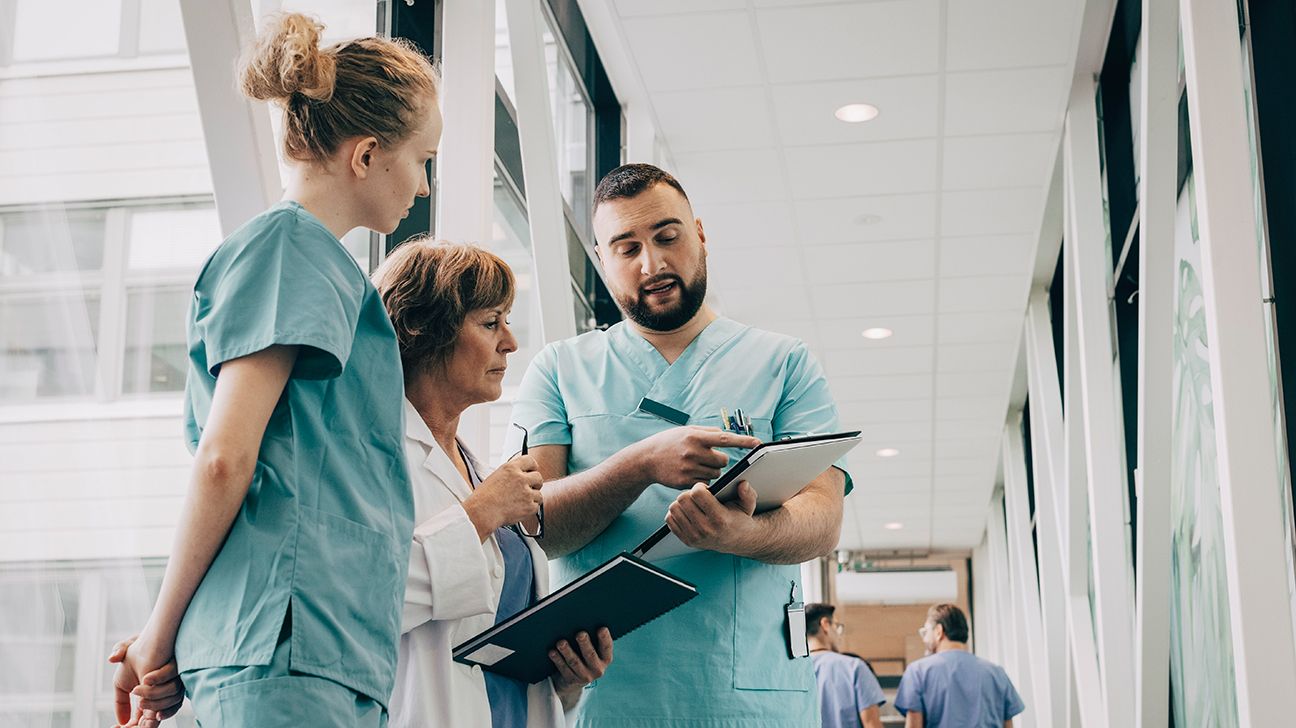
x=286, y=289
x=539, y=405
x=806, y=406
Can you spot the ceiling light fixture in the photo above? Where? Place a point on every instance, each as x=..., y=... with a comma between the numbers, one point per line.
x=856, y=113
x=877, y=332
x=893, y=526
x=888, y=452
x=868, y=219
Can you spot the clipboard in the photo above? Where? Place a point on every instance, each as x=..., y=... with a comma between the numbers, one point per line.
x=776, y=470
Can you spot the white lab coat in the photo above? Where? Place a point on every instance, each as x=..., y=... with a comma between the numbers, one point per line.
x=451, y=594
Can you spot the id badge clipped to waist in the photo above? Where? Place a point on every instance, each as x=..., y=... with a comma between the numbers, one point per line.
x=794, y=626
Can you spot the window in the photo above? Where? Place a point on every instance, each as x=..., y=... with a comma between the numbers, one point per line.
x=93, y=298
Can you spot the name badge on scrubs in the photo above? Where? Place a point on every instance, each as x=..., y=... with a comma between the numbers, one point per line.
x=794, y=627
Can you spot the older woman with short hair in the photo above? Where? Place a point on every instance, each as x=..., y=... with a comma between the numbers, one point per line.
x=470, y=566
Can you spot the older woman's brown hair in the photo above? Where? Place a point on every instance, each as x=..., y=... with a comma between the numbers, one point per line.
x=429, y=287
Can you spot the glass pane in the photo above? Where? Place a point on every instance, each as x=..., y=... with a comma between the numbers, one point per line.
x=503, y=50
x=48, y=346
x=571, y=129
x=42, y=30
x=130, y=595
x=168, y=238
x=17, y=719
x=357, y=244
x=342, y=19
x=156, y=351
x=51, y=240
x=161, y=29
x=39, y=633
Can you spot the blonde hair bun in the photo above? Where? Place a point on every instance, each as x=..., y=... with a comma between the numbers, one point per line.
x=286, y=59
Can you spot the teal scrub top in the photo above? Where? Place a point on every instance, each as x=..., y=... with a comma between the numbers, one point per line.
x=720, y=659
x=326, y=525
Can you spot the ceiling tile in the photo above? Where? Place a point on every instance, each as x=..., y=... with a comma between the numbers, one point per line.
x=637, y=8
x=895, y=410
x=957, y=328
x=877, y=436
x=861, y=219
x=858, y=262
x=978, y=467
x=984, y=293
x=847, y=333
x=981, y=255
x=868, y=389
x=747, y=267
x=989, y=212
x=889, y=468
x=854, y=40
x=873, y=299
x=954, y=429
x=803, y=329
x=972, y=384
x=995, y=357
x=1012, y=160
x=1007, y=33
x=753, y=305
x=877, y=168
x=905, y=486
x=970, y=408
x=1005, y=102
x=895, y=360
x=708, y=120
x=908, y=109
x=745, y=224
x=730, y=176
x=970, y=447
x=720, y=43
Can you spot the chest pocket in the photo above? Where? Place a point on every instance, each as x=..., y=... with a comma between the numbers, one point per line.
x=760, y=647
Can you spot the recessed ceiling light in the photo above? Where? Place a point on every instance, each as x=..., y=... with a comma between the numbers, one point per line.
x=855, y=113
x=868, y=219
x=877, y=332
x=893, y=526
x=888, y=452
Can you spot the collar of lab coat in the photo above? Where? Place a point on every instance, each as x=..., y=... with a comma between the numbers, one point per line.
x=437, y=461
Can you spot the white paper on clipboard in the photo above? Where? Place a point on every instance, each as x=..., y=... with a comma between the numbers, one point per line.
x=777, y=471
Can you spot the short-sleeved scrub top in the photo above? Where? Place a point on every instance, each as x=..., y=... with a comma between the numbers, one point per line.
x=326, y=525
x=721, y=659
x=958, y=688
x=847, y=687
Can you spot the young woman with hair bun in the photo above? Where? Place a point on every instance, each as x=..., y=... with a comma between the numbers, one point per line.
x=281, y=602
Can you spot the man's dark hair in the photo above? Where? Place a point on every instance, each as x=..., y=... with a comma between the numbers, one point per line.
x=951, y=619
x=629, y=180
x=815, y=612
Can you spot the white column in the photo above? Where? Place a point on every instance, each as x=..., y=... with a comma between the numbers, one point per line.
x=1004, y=604
x=1048, y=459
x=1073, y=498
x=1091, y=269
x=1158, y=160
x=236, y=131
x=540, y=170
x=1025, y=586
x=1250, y=495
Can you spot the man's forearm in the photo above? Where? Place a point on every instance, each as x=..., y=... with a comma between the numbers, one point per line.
x=806, y=527
x=579, y=507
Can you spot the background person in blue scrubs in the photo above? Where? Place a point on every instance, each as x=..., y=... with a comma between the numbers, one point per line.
x=951, y=687
x=849, y=692
x=282, y=596
x=613, y=472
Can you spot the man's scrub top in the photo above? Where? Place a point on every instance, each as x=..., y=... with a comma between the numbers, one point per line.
x=326, y=526
x=847, y=687
x=720, y=659
x=957, y=689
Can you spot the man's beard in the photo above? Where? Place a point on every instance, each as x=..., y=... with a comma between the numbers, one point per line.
x=691, y=297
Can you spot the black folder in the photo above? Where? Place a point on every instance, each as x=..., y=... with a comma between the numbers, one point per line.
x=622, y=595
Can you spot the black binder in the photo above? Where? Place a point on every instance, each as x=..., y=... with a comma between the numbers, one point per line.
x=622, y=595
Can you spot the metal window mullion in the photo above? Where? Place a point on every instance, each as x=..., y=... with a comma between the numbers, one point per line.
x=1046, y=447
x=88, y=654
x=1001, y=569
x=544, y=201
x=1073, y=505
x=1114, y=601
x=1157, y=164
x=112, y=307
x=1025, y=586
x=1251, y=499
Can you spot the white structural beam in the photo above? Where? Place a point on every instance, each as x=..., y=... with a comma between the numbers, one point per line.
x=540, y=170
x=1250, y=486
x=1025, y=584
x=1006, y=624
x=1074, y=506
x=1157, y=160
x=1091, y=276
x=236, y=130
x=465, y=158
x=1047, y=451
